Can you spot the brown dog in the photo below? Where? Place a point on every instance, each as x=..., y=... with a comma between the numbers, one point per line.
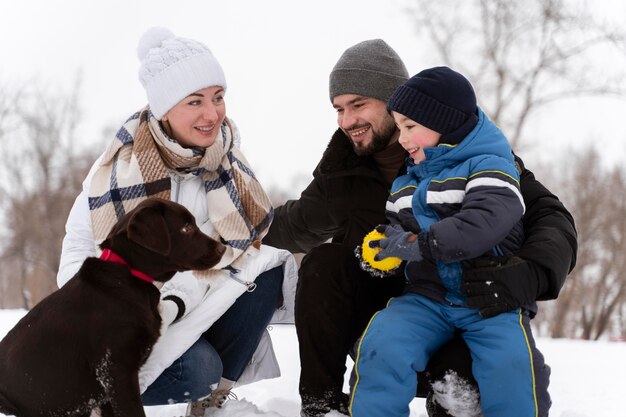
x=82, y=346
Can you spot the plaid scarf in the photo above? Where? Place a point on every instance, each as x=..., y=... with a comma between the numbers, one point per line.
x=137, y=164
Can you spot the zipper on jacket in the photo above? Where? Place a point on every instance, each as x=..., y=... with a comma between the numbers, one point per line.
x=177, y=180
x=232, y=273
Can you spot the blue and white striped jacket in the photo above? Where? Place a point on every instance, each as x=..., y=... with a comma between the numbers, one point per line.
x=462, y=201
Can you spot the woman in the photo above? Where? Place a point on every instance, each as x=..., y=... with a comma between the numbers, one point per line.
x=183, y=147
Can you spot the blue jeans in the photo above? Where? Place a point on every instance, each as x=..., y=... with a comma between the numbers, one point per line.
x=224, y=350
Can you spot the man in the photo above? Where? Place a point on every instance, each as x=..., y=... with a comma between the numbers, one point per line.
x=346, y=199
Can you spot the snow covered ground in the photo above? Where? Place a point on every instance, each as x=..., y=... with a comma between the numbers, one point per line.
x=587, y=380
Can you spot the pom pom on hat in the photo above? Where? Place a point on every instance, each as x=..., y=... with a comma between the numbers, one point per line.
x=153, y=38
x=173, y=67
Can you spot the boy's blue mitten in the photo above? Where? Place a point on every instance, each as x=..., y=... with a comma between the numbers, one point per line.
x=398, y=243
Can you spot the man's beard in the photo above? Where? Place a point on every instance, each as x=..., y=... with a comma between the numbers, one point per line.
x=380, y=140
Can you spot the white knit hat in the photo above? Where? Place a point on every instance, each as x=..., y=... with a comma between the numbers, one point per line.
x=172, y=68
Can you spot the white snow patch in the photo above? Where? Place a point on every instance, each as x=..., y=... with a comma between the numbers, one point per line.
x=587, y=379
x=457, y=396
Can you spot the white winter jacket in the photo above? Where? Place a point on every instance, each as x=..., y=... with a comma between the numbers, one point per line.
x=204, y=301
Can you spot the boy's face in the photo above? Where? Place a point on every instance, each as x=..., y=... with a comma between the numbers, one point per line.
x=414, y=137
x=365, y=121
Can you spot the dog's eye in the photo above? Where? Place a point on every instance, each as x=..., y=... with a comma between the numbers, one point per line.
x=188, y=228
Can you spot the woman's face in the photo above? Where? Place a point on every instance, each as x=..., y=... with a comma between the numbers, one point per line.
x=196, y=119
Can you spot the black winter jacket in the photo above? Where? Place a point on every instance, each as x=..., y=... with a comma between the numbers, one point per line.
x=347, y=198
x=345, y=201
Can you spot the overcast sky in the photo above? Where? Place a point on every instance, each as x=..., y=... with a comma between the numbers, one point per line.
x=276, y=55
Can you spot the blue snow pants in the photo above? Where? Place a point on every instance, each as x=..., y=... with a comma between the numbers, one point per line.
x=401, y=338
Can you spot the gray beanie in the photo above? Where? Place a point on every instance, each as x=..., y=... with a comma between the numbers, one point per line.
x=370, y=69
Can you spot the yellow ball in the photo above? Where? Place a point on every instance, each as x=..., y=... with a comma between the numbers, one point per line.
x=368, y=253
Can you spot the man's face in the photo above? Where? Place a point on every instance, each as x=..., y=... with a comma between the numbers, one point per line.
x=366, y=122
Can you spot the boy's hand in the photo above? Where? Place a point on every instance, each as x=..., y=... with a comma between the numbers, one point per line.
x=398, y=243
x=499, y=284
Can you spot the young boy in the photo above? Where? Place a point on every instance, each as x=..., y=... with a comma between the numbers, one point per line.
x=459, y=199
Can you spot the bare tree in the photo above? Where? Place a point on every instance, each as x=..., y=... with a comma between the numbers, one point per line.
x=621, y=323
x=606, y=291
x=590, y=305
x=522, y=55
x=42, y=170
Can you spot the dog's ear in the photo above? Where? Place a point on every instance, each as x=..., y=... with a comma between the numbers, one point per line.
x=147, y=227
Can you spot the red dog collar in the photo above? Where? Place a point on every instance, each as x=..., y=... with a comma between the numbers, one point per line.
x=110, y=256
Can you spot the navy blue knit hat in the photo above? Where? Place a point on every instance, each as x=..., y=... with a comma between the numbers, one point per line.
x=439, y=98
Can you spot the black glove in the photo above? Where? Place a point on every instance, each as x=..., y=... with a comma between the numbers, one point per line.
x=495, y=285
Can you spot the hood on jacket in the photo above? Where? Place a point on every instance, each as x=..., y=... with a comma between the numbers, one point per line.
x=485, y=139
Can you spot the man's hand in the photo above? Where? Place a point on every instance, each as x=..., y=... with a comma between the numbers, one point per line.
x=495, y=285
x=398, y=243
